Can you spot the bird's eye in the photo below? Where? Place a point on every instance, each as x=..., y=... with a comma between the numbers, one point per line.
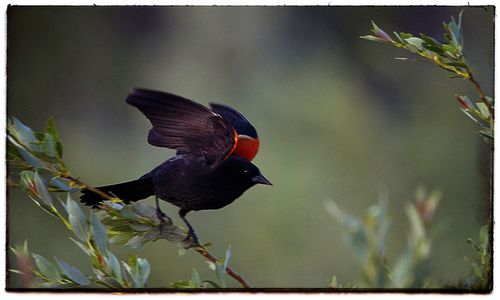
x=246, y=171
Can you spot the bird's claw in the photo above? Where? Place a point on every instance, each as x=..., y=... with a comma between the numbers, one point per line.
x=162, y=217
x=164, y=220
x=191, y=240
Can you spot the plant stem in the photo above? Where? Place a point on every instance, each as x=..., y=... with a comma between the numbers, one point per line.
x=83, y=185
x=229, y=271
x=481, y=93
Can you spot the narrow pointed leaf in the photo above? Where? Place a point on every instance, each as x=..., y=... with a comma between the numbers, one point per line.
x=77, y=220
x=416, y=42
x=72, y=273
x=99, y=234
x=41, y=189
x=46, y=268
x=25, y=135
x=483, y=109
x=115, y=265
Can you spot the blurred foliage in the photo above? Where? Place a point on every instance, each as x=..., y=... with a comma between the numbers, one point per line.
x=481, y=274
x=367, y=237
x=32, y=153
x=450, y=56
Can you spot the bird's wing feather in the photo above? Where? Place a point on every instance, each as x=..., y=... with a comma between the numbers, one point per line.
x=184, y=125
x=239, y=122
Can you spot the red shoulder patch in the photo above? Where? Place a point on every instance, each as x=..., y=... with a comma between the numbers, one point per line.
x=246, y=147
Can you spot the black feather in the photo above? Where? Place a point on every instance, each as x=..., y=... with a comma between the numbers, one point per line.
x=239, y=122
x=184, y=125
x=127, y=191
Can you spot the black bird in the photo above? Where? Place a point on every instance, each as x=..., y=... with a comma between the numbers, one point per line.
x=212, y=165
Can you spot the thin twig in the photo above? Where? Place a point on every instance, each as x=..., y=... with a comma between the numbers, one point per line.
x=83, y=185
x=482, y=95
x=229, y=271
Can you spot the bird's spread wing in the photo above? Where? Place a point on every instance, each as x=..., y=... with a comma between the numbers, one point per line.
x=239, y=122
x=248, y=141
x=184, y=125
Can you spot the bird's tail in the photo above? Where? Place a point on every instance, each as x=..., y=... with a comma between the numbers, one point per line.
x=127, y=191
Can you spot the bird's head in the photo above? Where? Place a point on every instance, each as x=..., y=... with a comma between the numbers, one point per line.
x=240, y=172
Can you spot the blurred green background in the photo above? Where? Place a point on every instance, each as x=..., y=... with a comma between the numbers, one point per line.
x=338, y=118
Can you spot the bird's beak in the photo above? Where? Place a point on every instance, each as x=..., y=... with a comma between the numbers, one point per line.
x=261, y=179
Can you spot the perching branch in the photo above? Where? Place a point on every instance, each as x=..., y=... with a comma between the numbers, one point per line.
x=199, y=248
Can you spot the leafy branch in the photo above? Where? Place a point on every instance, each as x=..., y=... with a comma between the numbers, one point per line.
x=448, y=55
x=36, y=165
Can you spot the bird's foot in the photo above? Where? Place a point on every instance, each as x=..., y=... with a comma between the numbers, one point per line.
x=164, y=219
x=191, y=240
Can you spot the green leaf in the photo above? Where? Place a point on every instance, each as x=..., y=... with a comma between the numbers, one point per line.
x=416, y=42
x=380, y=33
x=483, y=109
x=333, y=282
x=432, y=45
x=34, y=161
x=372, y=38
x=489, y=100
x=20, y=251
x=114, y=265
x=52, y=130
x=77, y=220
x=72, y=273
x=16, y=271
x=46, y=268
x=41, y=189
x=457, y=65
x=220, y=272
x=35, y=191
x=137, y=270
x=136, y=241
x=144, y=210
x=99, y=234
x=404, y=36
x=139, y=227
x=484, y=238
x=25, y=135
x=49, y=146
x=479, y=121
x=227, y=257
x=85, y=249
x=121, y=238
x=183, y=284
x=196, y=279
x=129, y=213
x=417, y=226
x=62, y=184
x=143, y=270
x=487, y=133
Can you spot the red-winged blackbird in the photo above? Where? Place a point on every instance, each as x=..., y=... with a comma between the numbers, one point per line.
x=212, y=165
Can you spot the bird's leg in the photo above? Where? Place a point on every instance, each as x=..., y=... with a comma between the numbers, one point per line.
x=160, y=214
x=191, y=234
